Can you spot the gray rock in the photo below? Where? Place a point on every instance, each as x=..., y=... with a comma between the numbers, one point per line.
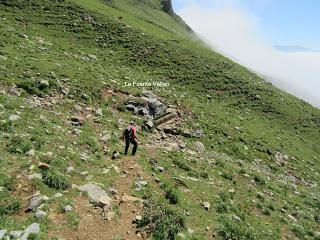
x=236, y=218
x=104, y=201
x=198, y=133
x=70, y=169
x=98, y=112
x=190, y=231
x=16, y=234
x=143, y=111
x=105, y=138
x=77, y=120
x=44, y=83
x=67, y=208
x=141, y=183
x=155, y=106
x=112, y=190
x=94, y=192
x=58, y=195
x=115, y=155
x=160, y=169
x=3, y=233
x=132, y=108
x=109, y=216
x=149, y=124
x=206, y=205
x=84, y=173
x=34, y=203
x=93, y=57
x=137, y=219
x=40, y=214
x=34, y=228
x=34, y=176
x=14, y=117
x=199, y=146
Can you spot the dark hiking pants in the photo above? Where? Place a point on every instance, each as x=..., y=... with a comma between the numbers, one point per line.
x=135, y=146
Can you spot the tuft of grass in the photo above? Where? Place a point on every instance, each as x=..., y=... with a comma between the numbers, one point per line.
x=19, y=144
x=73, y=219
x=9, y=205
x=259, y=180
x=182, y=165
x=55, y=179
x=160, y=221
x=231, y=230
x=172, y=195
x=37, y=87
x=6, y=181
x=34, y=236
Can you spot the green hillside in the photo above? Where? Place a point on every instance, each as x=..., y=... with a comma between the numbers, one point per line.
x=239, y=161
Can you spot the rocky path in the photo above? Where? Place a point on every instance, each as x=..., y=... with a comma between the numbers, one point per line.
x=93, y=224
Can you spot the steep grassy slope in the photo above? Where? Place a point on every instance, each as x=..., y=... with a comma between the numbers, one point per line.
x=83, y=48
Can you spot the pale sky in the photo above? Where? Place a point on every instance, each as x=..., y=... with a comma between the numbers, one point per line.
x=248, y=30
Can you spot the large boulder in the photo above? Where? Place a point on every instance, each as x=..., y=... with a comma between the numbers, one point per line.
x=97, y=195
x=155, y=106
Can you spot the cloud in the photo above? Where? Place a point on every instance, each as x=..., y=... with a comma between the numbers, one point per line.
x=231, y=30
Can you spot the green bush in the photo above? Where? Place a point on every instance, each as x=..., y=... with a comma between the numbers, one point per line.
x=227, y=176
x=299, y=231
x=221, y=207
x=183, y=165
x=18, y=144
x=36, y=87
x=161, y=222
x=9, y=205
x=231, y=230
x=55, y=179
x=6, y=126
x=173, y=196
x=6, y=181
x=259, y=180
x=34, y=236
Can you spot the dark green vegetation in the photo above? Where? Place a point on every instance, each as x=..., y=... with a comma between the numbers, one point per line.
x=260, y=172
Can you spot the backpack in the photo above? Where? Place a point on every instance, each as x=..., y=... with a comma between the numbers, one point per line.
x=129, y=133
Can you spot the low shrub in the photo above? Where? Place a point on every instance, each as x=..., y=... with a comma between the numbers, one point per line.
x=55, y=179
x=9, y=205
x=6, y=181
x=221, y=207
x=39, y=88
x=160, y=221
x=182, y=165
x=173, y=196
x=227, y=176
x=259, y=180
x=231, y=230
x=18, y=144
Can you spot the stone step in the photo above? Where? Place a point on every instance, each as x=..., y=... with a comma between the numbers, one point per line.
x=166, y=117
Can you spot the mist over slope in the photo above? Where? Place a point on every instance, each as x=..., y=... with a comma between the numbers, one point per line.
x=234, y=32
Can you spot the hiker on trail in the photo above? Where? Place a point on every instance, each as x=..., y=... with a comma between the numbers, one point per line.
x=130, y=136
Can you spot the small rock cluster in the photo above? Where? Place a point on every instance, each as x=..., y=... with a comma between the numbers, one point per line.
x=148, y=105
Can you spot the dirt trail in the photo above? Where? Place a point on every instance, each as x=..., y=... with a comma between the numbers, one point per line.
x=93, y=227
